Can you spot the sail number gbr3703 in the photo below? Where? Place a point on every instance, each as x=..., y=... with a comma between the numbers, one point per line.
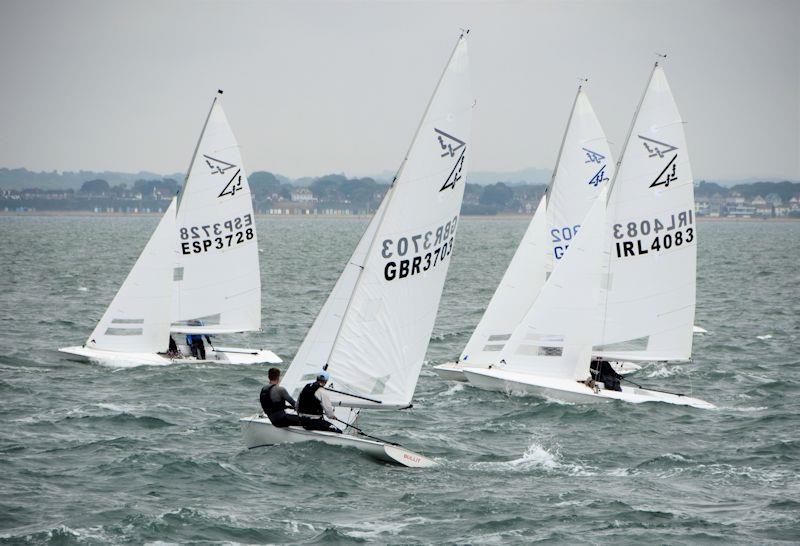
x=415, y=254
x=637, y=238
x=217, y=236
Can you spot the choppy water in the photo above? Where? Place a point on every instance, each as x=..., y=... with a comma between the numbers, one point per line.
x=94, y=455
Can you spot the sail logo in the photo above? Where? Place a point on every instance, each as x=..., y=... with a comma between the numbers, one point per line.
x=449, y=146
x=599, y=177
x=656, y=148
x=593, y=157
x=217, y=166
x=233, y=185
x=667, y=175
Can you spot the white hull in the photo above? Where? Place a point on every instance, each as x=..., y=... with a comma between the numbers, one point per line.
x=698, y=330
x=570, y=391
x=219, y=355
x=454, y=371
x=259, y=432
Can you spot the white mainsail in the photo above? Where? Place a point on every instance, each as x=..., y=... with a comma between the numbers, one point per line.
x=217, y=282
x=555, y=337
x=651, y=238
x=137, y=320
x=398, y=269
x=583, y=168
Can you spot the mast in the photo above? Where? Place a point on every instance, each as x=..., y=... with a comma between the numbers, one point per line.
x=551, y=185
x=630, y=129
x=197, y=146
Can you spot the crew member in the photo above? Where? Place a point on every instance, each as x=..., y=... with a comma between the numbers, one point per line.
x=195, y=343
x=313, y=402
x=603, y=372
x=172, y=351
x=275, y=400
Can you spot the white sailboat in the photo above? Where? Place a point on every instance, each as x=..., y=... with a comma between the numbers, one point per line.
x=372, y=333
x=626, y=289
x=206, y=243
x=583, y=167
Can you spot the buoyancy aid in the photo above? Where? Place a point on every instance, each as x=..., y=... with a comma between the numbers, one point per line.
x=307, y=402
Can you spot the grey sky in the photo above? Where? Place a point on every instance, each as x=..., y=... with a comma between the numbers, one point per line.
x=318, y=87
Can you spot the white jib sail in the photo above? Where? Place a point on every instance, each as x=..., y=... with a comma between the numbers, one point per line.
x=652, y=237
x=514, y=295
x=137, y=320
x=584, y=166
x=316, y=348
x=217, y=283
x=380, y=347
x=555, y=337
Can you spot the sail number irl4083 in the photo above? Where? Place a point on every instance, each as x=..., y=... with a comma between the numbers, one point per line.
x=217, y=236
x=637, y=238
x=415, y=254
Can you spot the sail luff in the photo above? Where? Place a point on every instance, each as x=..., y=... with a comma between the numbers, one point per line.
x=197, y=147
x=553, y=177
x=630, y=131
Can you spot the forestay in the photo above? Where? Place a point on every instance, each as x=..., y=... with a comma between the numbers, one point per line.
x=652, y=238
x=137, y=320
x=217, y=282
x=555, y=337
x=583, y=167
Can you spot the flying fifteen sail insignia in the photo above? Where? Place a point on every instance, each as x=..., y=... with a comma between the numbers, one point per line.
x=593, y=157
x=217, y=166
x=599, y=177
x=448, y=146
x=449, y=143
x=655, y=148
x=233, y=185
x=667, y=175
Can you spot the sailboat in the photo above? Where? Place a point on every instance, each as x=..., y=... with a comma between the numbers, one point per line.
x=583, y=167
x=372, y=333
x=206, y=242
x=626, y=288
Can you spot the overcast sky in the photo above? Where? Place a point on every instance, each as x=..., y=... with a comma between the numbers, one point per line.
x=319, y=87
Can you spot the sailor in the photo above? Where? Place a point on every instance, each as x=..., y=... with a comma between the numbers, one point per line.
x=195, y=343
x=603, y=372
x=313, y=402
x=172, y=351
x=275, y=400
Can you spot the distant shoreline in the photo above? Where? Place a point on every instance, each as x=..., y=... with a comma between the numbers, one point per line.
x=505, y=216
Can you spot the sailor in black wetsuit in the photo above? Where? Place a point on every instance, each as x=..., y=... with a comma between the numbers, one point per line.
x=603, y=372
x=275, y=400
x=313, y=402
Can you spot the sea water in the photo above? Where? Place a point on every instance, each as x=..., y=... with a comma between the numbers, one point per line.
x=93, y=454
